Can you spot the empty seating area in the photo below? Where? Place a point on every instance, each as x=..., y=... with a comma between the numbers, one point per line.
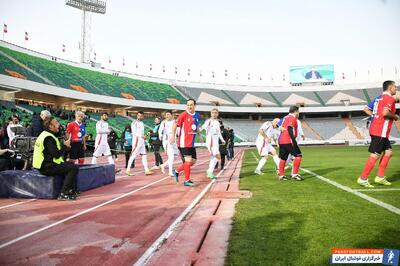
x=277, y=99
x=252, y=98
x=21, y=65
x=25, y=66
x=207, y=96
x=347, y=97
x=244, y=128
x=10, y=68
x=296, y=98
x=329, y=128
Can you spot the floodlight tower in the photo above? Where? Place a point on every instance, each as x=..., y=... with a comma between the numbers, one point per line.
x=94, y=6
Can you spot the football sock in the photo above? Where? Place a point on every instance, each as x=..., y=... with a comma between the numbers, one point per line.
x=369, y=165
x=261, y=163
x=187, y=166
x=282, y=167
x=296, y=165
x=383, y=164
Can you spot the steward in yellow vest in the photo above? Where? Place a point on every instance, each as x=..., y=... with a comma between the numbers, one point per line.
x=48, y=158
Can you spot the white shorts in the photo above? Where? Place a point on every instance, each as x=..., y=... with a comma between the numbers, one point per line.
x=138, y=147
x=102, y=149
x=213, y=146
x=264, y=148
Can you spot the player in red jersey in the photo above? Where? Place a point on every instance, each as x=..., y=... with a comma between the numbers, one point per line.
x=383, y=114
x=188, y=123
x=76, y=132
x=288, y=144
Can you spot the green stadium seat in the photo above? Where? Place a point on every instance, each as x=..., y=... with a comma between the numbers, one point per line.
x=84, y=80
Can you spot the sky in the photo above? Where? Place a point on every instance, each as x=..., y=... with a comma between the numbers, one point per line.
x=260, y=37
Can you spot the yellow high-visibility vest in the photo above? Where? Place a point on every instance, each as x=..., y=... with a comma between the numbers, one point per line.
x=38, y=156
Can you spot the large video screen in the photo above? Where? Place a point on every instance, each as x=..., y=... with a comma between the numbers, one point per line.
x=311, y=73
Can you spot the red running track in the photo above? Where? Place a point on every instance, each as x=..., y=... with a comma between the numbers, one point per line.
x=110, y=225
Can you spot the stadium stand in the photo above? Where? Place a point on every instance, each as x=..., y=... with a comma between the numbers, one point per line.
x=117, y=122
x=336, y=129
x=297, y=98
x=252, y=98
x=314, y=128
x=309, y=132
x=9, y=108
x=348, y=97
x=14, y=69
x=38, y=69
x=372, y=93
x=207, y=96
x=244, y=128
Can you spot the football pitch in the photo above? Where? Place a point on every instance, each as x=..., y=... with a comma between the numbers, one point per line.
x=299, y=222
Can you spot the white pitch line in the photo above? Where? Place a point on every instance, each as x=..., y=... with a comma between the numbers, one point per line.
x=167, y=233
x=254, y=155
x=377, y=189
x=355, y=192
x=17, y=203
x=83, y=212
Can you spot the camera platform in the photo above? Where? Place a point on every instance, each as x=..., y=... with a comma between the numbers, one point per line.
x=32, y=184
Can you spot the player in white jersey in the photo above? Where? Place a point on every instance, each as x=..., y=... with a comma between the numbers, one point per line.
x=267, y=134
x=213, y=135
x=138, y=145
x=164, y=133
x=101, y=146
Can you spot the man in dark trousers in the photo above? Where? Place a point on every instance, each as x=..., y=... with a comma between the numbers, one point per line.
x=48, y=158
x=112, y=142
x=156, y=143
x=223, y=146
x=231, y=144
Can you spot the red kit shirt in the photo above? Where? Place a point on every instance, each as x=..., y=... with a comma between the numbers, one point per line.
x=381, y=126
x=76, y=131
x=187, y=124
x=288, y=121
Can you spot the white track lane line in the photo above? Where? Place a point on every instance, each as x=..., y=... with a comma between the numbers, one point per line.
x=167, y=233
x=8, y=243
x=17, y=203
x=116, y=178
x=142, y=171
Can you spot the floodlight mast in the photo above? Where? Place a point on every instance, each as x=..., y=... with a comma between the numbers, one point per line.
x=94, y=6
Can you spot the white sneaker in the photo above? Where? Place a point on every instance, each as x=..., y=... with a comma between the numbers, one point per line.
x=128, y=173
x=364, y=183
x=155, y=167
x=162, y=168
x=382, y=181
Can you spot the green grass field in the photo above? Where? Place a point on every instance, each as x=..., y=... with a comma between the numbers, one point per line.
x=298, y=223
